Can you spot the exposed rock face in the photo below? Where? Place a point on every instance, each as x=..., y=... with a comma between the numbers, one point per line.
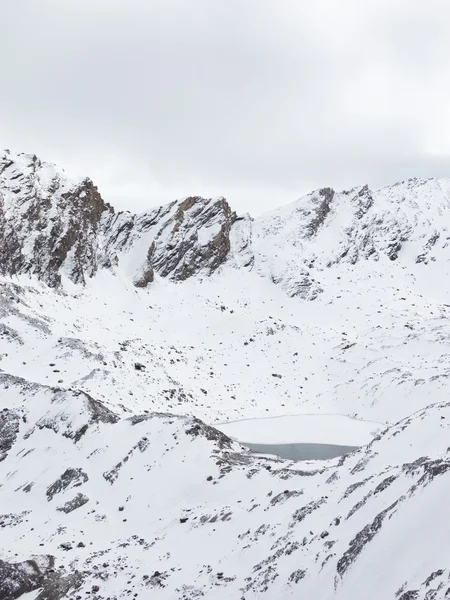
x=77, y=502
x=37, y=573
x=195, y=238
x=20, y=578
x=9, y=428
x=69, y=479
x=48, y=224
x=52, y=226
x=321, y=208
x=177, y=241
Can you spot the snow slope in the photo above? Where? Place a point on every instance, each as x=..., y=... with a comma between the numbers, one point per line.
x=158, y=505
x=119, y=332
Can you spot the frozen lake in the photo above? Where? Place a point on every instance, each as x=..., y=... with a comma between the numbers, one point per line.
x=302, y=437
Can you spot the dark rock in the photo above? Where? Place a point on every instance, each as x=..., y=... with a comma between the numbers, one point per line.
x=410, y=595
x=296, y=576
x=55, y=225
x=66, y=546
x=78, y=501
x=9, y=429
x=178, y=251
x=17, y=579
x=362, y=538
x=70, y=478
x=51, y=243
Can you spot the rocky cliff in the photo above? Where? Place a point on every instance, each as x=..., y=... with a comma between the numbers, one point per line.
x=52, y=226
x=49, y=225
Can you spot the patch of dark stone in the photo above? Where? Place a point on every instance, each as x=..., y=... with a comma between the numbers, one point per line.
x=11, y=519
x=70, y=477
x=300, y=514
x=98, y=411
x=326, y=559
x=262, y=580
x=297, y=576
x=431, y=468
x=38, y=573
x=113, y=474
x=354, y=486
x=363, y=537
x=432, y=577
x=157, y=579
x=222, y=579
x=286, y=473
x=9, y=429
x=222, y=516
x=20, y=578
x=198, y=428
x=333, y=477
x=12, y=334
x=321, y=209
x=283, y=496
x=410, y=595
x=186, y=256
x=362, y=463
x=76, y=502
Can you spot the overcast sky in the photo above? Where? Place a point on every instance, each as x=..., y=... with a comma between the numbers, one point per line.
x=257, y=100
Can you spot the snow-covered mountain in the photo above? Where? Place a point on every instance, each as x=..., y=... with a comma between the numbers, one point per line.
x=52, y=227
x=125, y=338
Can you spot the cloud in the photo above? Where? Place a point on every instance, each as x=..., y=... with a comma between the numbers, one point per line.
x=257, y=100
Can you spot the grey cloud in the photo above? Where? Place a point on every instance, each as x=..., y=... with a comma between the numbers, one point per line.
x=256, y=100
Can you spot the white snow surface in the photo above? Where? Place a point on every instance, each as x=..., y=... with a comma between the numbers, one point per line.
x=338, y=316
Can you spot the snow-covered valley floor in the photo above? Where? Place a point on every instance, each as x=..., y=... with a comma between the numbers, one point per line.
x=136, y=503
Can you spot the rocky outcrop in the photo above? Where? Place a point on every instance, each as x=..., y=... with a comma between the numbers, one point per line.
x=52, y=226
x=9, y=428
x=20, y=578
x=49, y=224
x=176, y=241
x=38, y=574
x=321, y=208
x=69, y=479
x=196, y=238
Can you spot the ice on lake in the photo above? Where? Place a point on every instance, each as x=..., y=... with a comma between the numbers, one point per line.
x=302, y=437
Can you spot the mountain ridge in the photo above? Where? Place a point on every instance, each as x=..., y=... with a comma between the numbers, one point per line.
x=78, y=233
